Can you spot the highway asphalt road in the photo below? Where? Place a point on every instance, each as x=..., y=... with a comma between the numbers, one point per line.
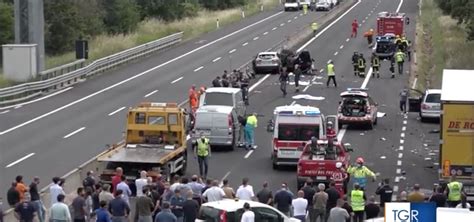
x=53, y=136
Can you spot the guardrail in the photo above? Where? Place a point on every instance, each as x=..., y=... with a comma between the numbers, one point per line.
x=61, y=70
x=53, y=79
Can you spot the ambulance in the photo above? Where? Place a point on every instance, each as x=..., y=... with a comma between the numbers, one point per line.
x=292, y=127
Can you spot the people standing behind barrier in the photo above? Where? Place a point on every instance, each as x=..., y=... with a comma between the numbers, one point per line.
x=196, y=186
x=225, y=80
x=105, y=194
x=102, y=214
x=176, y=203
x=300, y=205
x=358, y=203
x=283, y=80
x=144, y=206
x=228, y=190
x=355, y=59
x=25, y=211
x=375, y=65
x=400, y=59
x=214, y=193
x=416, y=196
x=309, y=192
x=59, y=211
x=331, y=74
x=355, y=26
x=141, y=182
x=372, y=210
x=203, y=153
x=265, y=195
x=283, y=199
x=250, y=126
x=125, y=188
x=89, y=181
x=337, y=213
x=166, y=215
x=21, y=187
x=320, y=200
x=439, y=197
x=79, y=208
x=13, y=196
x=385, y=192
x=454, y=191
x=190, y=208
x=55, y=190
x=117, y=178
x=245, y=191
x=333, y=196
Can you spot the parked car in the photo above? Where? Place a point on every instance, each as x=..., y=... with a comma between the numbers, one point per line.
x=427, y=104
x=291, y=5
x=357, y=107
x=267, y=62
x=323, y=5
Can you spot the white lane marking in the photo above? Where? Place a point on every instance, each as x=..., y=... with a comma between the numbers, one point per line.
x=402, y=135
x=367, y=78
x=289, y=20
x=39, y=99
x=248, y=154
x=256, y=38
x=6, y=111
x=116, y=111
x=399, y=171
x=216, y=59
x=180, y=78
x=414, y=83
x=414, y=58
x=17, y=106
x=301, y=14
x=341, y=133
x=135, y=76
x=328, y=61
x=399, y=6
x=293, y=103
x=151, y=93
x=363, y=21
x=259, y=82
x=400, y=148
x=404, y=122
x=274, y=28
x=404, y=128
x=295, y=17
x=400, y=155
x=74, y=132
x=397, y=179
x=232, y=51
x=19, y=160
x=395, y=189
x=342, y=46
x=327, y=27
x=245, y=44
x=197, y=69
x=321, y=70
x=188, y=137
x=265, y=33
x=306, y=88
x=347, y=39
x=282, y=24
x=366, y=17
x=336, y=53
x=399, y=162
x=402, y=141
x=223, y=178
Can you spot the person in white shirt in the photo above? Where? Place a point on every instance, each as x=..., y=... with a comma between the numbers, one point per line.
x=299, y=206
x=60, y=211
x=140, y=183
x=248, y=215
x=214, y=193
x=245, y=191
x=176, y=183
x=55, y=190
x=125, y=189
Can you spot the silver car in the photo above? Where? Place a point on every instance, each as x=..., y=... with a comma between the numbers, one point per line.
x=431, y=104
x=219, y=124
x=267, y=62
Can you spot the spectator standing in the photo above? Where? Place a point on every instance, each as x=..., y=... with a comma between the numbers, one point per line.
x=216, y=82
x=228, y=190
x=371, y=209
x=215, y=193
x=25, y=211
x=416, y=196
x=248, y=215
x=339, y=214
x=140, y=183
x=439, y=197
x=207, y=185
x=300, y=206
x=333, y=196
x=167, y=193
x=358, y=203
x=13, y=196
x=190, y=208
x=102, y=214
x=348, y=208
x=265, y=195
x=36, y=200
x=283, y=199
x=21, y=187
x=453, y=191
x=176, y=183
x=245, y=191
x=196, y=186
x=89, y=203
x=320, y=200
x=176, y=203
x=119, y=208
x=105, y=194
x=144, y=206
x=185, y=186
x=166, y=215
x=89, y=181
x=55, y=190
x=403, y=197
x=117, y=178
x=95, y=197
x=309, y=192
x=385, y=192
x=59, y=211
x=125, y=188
x=79, y=206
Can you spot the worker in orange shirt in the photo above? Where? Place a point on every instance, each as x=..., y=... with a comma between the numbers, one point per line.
x=370, y=37
x=193, y=99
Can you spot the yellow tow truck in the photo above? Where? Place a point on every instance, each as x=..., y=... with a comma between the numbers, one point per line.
x=155, y=141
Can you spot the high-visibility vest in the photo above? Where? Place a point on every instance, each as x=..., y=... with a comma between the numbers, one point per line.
x=376, y=62
x=399, y=56
x=357, y=200
x=454, y=191
x=314, y=26
x=252, y=120
x=331, y=70
x=361, y=63
x=203, y=147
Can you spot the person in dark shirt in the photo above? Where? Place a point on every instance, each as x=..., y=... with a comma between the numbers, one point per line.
x=371, y=209
x=26, y=210
x=348, y=207
x=101, y=213
x=79, y=206
x=176, y=203
x=283, y=199
x=190, y=208
x=216, y=82
x=439, y=197
x=118, y=207
x=309, y=192
x=265, y=195
x=208, y=185
x=13, y=196
x=385, y=192
x=35, y=199
x=95, y=196
x=333, y=195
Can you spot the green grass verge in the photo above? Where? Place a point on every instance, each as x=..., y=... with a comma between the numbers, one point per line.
x=441, y=44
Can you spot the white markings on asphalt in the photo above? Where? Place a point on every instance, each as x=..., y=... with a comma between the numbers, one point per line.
x=383, y=157
x=216, y=59
x=399, y=162
x=321, y=70
x=256, y=38
x=363, y=21
x=402, y=135
x=399, y=171
x=180, y=78
x=197, y=69
x=282, y=24
x=188, y=137
x=295, y=17
x=347, y=39
x=116, y=111
x=135, y=76
x=341, y=133
x=19, y=160
x=233, y=50
x=328, y=61
x=336, y=53
x=74, y=132
x=395, y=189
x=400, y=155
x=17, y=107
x=399, y=6
x=265, y=33
x=151, y=93
x=248, y=154
x=397, y=179
x=6, y=111
x=225, y=176
x=404, y=122
x=38, y=99
x=293, y=103
x=342, y=46
x=414, y=83
x=274, y=28
x=259, y=82
x=327, y=27
x=367, y=78
x=245, y=44
x=301, y=14
x=400, y=148
x=306, y=88
x=289, y=20
x=404, y=128
x=366, y=17
x=402, y=141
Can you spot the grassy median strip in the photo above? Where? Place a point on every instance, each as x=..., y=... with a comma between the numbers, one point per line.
x=441, y=44
x=149, y=30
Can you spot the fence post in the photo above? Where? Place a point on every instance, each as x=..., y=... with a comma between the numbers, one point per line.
x=261, y=7
x=217, y=23
x=243, y=12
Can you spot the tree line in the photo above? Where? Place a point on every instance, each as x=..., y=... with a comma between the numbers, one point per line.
x=461, y=10
x=69, y=20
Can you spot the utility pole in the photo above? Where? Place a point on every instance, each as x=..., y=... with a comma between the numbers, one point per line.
x=29, y=27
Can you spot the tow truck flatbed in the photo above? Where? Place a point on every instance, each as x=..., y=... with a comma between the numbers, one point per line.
x=140, y=153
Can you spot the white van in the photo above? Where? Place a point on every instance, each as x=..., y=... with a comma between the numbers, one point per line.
x=292, y=5
x=222, y=96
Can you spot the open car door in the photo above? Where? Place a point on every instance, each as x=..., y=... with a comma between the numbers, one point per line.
x=414, y=100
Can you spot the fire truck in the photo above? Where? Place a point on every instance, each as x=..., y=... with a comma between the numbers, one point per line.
x=390, y=23
x=293, y=126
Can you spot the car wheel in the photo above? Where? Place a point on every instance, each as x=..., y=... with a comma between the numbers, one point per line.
x=274, y=164
x=370, y=125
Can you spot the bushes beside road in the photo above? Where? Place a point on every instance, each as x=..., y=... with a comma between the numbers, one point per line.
x=442, y=43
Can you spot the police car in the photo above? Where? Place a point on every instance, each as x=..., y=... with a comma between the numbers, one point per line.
x=385, y=46
x=357, y=107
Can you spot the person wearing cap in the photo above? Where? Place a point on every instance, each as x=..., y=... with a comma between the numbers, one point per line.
x=203, y=152
x=249, y=131
x=358, y=203
x=361, y=172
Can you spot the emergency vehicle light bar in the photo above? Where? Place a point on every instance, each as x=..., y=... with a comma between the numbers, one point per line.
x=285, y=113
x=151, y=104
x=357, y=89
x=312, y=113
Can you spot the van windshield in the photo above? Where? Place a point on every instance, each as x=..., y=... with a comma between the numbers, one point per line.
x=433, y=98
x=219, y=99
x=297, y=132
x=291, y=1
